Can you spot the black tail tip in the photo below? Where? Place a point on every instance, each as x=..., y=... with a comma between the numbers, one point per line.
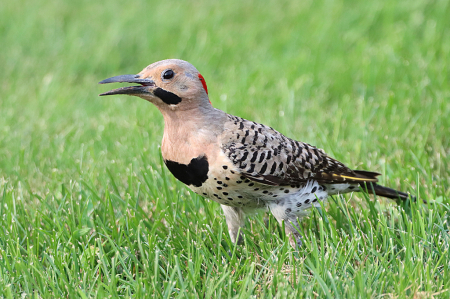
x=389, y=193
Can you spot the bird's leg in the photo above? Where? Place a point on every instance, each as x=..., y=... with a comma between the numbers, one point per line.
x=291, y=228
x=290, y=223
x=295, y=238
x=235, y=220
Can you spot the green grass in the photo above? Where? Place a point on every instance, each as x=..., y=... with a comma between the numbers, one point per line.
x=88, y=211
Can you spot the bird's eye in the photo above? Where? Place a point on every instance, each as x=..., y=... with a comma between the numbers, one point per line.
x=168, y=74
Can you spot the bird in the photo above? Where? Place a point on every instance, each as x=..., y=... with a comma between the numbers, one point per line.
x=243, y=165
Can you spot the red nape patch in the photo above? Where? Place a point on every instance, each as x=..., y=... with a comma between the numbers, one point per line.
x=203, y=83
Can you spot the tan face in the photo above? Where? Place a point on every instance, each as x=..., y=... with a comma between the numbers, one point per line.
x=169, y=84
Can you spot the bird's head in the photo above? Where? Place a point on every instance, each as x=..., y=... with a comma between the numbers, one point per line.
x=170, y=84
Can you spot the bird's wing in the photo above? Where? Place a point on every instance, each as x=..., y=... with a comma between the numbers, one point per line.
x=268, y=157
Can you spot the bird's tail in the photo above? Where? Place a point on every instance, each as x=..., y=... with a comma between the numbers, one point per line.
x=387, y=192
x=373, y=188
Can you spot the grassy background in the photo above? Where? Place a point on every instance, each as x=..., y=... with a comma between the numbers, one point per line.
x=86, y=210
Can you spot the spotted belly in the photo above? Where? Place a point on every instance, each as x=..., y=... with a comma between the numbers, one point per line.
x=228, y=187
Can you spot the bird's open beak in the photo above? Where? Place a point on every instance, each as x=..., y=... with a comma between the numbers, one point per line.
x=146, y=85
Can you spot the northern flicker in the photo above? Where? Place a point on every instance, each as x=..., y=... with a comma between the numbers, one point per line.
x=243, y=165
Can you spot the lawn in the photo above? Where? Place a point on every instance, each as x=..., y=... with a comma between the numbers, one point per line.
x=87, y=209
